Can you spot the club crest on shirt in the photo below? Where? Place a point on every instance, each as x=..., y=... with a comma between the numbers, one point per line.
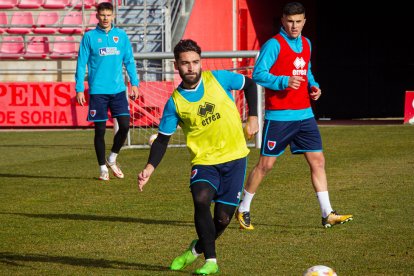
x=271, y=144
x=194, y=173
x=115, y=38
x=92, y=112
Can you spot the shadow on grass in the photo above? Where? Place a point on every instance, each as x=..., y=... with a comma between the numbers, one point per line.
x=105, y=218
x=69, y=146
x=14, y=259
x=40, y=176
x=267, y=226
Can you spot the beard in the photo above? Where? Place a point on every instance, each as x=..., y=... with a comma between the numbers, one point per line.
x=189, y=80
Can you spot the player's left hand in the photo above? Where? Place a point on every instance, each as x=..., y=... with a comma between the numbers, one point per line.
x=144, y=176
x=315, y=93
x=134, y=93
x=251, y=127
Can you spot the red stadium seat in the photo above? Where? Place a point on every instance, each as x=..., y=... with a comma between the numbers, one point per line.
x=110, y=1
x=56, y=4
x=86, y=3
x=30, y=4
x=64, y=47
x=44, y=22
x=37, y=47
x=73, y=20
x=12, y=47
x=3, y=21
x=8, y=4
x=92, y=22
x=23, y=19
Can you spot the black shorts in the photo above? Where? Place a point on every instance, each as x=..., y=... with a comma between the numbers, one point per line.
x=99, y=104
x=226, y=178
x=302, y=136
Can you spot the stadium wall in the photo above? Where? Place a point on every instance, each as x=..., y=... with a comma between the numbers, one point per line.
x=346, y=59
x=210, y=24
x=354, y=50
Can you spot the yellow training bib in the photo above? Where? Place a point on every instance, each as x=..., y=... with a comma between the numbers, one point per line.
x=211, y=125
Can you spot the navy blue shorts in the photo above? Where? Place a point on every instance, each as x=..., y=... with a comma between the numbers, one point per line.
x=100, y=103
x=302, y=136
x=226, y=178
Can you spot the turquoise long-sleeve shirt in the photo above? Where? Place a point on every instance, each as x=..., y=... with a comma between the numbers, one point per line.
x=269, y=53
x=105, y=54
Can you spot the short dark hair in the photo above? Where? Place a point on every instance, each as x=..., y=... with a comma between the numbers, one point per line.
x=105, y=6
x=293, y=8
x=186, y=45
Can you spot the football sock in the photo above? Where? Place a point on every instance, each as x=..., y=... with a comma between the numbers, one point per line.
x=112, y=157
x=193, y=250
x=245, y=203
x=324, y=203
x=214, y=260
x=103, y=168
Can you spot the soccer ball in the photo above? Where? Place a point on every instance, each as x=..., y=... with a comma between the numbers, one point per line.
x=152, y=138
x=319, y=270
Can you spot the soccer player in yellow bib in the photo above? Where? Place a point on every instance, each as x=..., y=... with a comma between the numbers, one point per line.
x=204, y=108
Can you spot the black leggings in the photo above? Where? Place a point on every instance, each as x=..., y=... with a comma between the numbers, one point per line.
x=119, y=138
x=208, y=228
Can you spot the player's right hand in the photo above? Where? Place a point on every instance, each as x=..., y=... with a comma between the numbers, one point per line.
x=80, y=98
x=295, y=81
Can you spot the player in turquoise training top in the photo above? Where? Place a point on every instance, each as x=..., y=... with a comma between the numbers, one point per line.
x=105, y=50
x=283, y=68
x=204, y=108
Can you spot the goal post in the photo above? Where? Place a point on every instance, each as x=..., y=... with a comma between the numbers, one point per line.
x=158, y=79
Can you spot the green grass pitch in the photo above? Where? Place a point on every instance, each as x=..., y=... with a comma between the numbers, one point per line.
x=57, y=219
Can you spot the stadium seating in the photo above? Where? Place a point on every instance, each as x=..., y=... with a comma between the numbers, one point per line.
x=37, y=48
x=56, y=4
x=12, y=47
x=92, y=22
x=44, y=21
x=87, y=4
x=73, y=20
x=30, y=4
x=8, y=4
x=64, y=47
x=100, y=1
x=3, y=21
x=24, y=19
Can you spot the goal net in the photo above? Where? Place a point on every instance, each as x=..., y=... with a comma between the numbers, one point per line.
x=158, y=79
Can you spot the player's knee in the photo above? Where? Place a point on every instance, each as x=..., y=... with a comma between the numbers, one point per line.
x=100, y=130
x=123, y=128
x=318, y=167
x=318, y=163
x=123, y=124
x=202, y=200
x=223, y=221
x=264, y=168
